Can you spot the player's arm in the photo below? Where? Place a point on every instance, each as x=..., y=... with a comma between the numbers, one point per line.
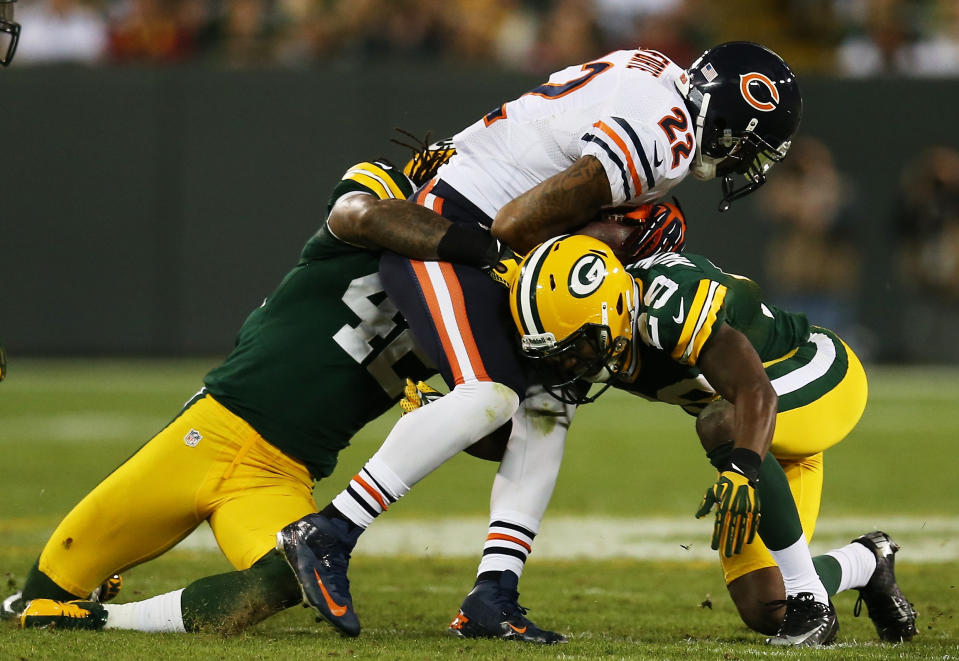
x=731, y=365
x=733, y=368
x=409, y=230
x=555, y=206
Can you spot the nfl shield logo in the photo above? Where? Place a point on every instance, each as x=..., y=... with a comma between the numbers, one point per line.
x=192, y=438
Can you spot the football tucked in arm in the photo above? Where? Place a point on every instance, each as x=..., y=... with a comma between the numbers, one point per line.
x=613, y=227
x=635, y=233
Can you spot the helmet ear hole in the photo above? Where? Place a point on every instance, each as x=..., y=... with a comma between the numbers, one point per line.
x=552, y=282
x=619, y=304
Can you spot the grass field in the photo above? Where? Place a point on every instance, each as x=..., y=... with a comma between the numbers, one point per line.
x=632, y=478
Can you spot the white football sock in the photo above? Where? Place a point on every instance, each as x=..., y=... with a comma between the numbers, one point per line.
x=799, y=573
x=367, y=496
x=157, y=614
x=424, y=440
x=857, y=563
x=525, y=480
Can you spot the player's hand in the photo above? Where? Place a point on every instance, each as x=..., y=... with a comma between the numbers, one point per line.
x=506, y=269
x=417, y=395
x=737, y=511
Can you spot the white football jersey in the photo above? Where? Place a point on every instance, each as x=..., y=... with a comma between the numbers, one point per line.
x=623, y=108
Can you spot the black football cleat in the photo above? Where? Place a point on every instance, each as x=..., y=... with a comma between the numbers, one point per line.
x=808, y=623
x=317, y=548
x=108, y=590
x=889, y=610
x=12, y=606
x=50, y=614
x=491, y=610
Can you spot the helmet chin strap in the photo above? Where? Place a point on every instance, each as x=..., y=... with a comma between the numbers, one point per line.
x=703, y=168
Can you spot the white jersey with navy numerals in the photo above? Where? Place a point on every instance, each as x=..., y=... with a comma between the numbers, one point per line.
x=623, y=108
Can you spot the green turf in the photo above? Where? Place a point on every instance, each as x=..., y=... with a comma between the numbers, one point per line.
x=65, y=424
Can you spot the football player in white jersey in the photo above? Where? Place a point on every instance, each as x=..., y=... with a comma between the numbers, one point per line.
x=622, y=129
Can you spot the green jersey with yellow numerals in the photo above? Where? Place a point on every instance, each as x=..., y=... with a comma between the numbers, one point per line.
x=684, y=297
x=325, y=353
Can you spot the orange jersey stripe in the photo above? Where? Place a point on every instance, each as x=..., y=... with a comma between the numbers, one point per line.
x=421, y=198
x=437, y=201
x=460, y=321
x=463, y=322
x=419, y=269
x=509, y=538
x=629, y=159
x=370, y=490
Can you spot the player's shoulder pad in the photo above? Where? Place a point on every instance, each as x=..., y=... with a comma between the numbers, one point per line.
x=377, y=178
x=679, y=307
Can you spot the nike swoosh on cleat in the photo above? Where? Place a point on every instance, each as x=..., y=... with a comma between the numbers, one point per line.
x=682, y=313
x=517, y=629
x=334, y=607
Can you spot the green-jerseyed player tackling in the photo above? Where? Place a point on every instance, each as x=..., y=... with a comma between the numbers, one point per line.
x=770, y=391
x=244, y=452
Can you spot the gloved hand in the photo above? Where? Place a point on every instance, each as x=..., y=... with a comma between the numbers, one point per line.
x=417, y=395
x=737, y=511
x=506, y=269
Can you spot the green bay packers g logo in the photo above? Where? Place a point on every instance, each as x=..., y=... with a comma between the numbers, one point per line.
x=587, y=275
x=759, y=91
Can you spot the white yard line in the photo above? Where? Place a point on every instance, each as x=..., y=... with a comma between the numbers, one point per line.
x=923, y=539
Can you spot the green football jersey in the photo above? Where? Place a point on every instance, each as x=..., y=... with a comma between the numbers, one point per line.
x=683, y=298
x=327, y=351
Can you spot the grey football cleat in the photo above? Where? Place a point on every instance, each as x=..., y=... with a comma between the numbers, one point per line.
x=808, y=623
x=889, y=610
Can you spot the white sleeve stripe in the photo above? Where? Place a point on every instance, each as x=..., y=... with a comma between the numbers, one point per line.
x=701, y=321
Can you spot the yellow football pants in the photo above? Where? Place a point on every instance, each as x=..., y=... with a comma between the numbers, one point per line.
x=206, y=465
x=799, y=440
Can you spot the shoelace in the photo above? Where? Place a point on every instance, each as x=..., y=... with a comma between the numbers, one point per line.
x=796, y=605
x=508, y=603
x=857, y=609
x=898, y=607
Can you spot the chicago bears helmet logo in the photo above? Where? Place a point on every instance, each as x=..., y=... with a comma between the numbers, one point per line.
x=587, y=275
x=759, y=91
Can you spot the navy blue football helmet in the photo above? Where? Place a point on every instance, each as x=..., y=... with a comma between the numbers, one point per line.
x=747, y=106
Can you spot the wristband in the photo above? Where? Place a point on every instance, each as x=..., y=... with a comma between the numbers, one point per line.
x=745, y=462
x=464, y=244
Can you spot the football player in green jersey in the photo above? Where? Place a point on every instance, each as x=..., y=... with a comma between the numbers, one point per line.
x=682, y=331
x=247, y=448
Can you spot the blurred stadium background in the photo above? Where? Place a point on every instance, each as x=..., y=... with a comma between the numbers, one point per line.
x=164, y=161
